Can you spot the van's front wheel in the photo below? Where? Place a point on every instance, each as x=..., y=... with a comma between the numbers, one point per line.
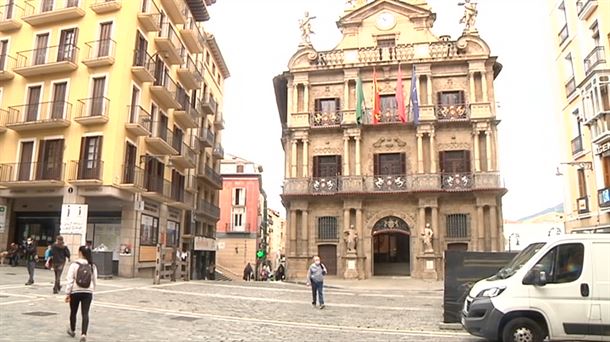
x=522, y=330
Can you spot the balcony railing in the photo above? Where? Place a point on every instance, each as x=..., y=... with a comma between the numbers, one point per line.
x=456, y=181
x=387, y=116
x=132, y=177
x=164, y=89
x=162, y=139
x=218, y=151
x=100, y=53
x=176, y=10
x=88, y=170
x=603, y=197
x=3, y=118
x=27, y=172
x=585, y=8
x=189, y=74
x=326, y=119
x=387, y=183
x=595, y=57
x=570, y=87
x=186, y=157
x=563, y=34
x=157, y=187
x=150, y=16
x=231, y=228
x=192, y=36
x=7, y=63
x=212, y=175
x=93, y=110
x=169, y=44
x=140, y=121
x=36, y=115
x=320, y=185
x=208, y=105
x=47, y=60
x=577, y=145
x=10, y=16
x=105, y=6
x=582, y=204
x=41, y=12
x=207, y=137
x=143, y=66
x=452, y=112
x=209, y=209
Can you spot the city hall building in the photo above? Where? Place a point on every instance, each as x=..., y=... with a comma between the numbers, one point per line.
x=391, y=170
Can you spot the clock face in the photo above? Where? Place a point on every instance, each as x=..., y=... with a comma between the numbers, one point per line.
x=386, y=21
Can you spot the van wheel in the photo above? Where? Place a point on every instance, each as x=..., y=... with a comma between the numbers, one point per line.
x=522, y=330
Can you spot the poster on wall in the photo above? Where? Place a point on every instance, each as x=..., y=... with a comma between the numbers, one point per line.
x=2, y=218
x=74, y=219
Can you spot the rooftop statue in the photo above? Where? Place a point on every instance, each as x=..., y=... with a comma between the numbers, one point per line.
x=306, y=31
x=470, y=15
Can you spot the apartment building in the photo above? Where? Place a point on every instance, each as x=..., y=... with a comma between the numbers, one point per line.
x=115, y=104
x=368, y=166
x=581, y=40
x=276, y=228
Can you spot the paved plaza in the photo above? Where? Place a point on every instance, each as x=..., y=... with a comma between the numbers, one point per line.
x=136, y=310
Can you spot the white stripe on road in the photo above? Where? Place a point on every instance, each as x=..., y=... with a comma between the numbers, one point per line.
x=22, y=301
x=260, y=299
x=283, y=324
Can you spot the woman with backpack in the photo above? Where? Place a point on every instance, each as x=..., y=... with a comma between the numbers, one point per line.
x=82, y=276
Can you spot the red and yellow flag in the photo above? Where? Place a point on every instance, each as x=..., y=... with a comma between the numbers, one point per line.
x=376, y=100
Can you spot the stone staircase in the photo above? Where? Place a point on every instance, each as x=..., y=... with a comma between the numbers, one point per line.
x=224, y=274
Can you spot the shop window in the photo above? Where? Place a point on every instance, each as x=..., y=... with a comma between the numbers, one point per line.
x=149, y=231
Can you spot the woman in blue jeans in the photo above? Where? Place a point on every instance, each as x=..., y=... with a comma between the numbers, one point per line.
x=315, y=278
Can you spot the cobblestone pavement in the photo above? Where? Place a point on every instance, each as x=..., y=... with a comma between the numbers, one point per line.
x=136, y=310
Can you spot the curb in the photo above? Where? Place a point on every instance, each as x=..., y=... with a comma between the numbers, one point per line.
x=450, y=326
x=305, y=284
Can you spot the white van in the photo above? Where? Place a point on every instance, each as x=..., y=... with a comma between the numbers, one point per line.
x=559, y=289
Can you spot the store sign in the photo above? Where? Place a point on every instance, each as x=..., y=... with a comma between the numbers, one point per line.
x=73, y=219
x=3, y=209
x=602, y=148
x=204, y=244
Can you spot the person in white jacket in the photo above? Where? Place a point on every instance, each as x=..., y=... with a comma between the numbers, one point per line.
x=79, y=290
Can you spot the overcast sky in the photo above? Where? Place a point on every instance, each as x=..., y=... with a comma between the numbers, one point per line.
x=257, y=38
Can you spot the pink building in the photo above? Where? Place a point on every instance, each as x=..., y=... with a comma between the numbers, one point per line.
x=242, y=223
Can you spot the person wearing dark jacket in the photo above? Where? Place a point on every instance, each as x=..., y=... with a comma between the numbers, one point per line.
x=31, y=256
x=248, y=272
x=59, y=254
x=13, y=254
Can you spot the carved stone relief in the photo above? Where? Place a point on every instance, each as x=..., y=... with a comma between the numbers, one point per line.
x=389, y=144
x=454, y=146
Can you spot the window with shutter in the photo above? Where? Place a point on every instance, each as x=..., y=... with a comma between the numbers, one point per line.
x=327, y=166
x=390, y=164
x=454, y=161
x=327, y=112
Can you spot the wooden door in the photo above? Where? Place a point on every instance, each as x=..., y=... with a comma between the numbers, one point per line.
x=25, y=162
x=328, y=256
x=97, y=96
x=40, y=54
x=104, y=43
x=33, y=103
x=59, y=100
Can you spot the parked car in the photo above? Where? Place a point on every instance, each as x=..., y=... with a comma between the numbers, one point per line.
x=558, y=289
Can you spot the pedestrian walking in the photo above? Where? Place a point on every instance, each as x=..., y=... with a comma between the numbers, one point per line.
x=31, y=257
x=80, y=284
x=13, y=254
x=315, y=278
x=59, y=254
x=248, y=272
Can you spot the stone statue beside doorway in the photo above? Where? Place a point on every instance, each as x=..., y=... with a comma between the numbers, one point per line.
x=350, y=237
x=427, y=239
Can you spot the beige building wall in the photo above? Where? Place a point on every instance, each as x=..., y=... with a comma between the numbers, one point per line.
x=236, y=253
x=581, y=41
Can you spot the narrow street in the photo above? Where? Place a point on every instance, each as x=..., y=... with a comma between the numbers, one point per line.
x=136, y=310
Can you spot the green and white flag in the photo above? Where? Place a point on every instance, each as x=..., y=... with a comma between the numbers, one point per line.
x=360, y=105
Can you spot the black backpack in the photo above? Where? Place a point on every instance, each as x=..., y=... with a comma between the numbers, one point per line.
x=83, y=275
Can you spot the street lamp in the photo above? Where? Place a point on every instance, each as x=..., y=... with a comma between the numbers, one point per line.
x=557, y=231
x=516, y=235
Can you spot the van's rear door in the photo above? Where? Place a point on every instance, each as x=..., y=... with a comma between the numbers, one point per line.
x=599, y=313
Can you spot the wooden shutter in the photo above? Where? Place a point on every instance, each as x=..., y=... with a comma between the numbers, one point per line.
x=104, y=43
x=461, y=99
x=376, y=165
x=338, y=161
x=439, y=98
x=403, y=163
x=441, y=160
x=316, y=166
x=59, y=100
x=467, y=161
x=337, y=104
x=33, y=103
x=317, y=105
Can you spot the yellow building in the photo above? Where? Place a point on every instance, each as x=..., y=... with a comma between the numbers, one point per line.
x=581, y=38
x=388, y=194
x=114, y=104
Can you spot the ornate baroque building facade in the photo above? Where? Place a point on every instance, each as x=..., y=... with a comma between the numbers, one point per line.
x=387, y=181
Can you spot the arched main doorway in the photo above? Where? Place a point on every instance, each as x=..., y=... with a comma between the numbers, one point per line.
x=391, y=247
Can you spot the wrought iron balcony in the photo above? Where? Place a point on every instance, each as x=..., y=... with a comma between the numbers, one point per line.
x=149, y=16
x=219, y=122
x=603, y=197
x=585, y=8
x=132, y=178
x=186, y=158
x=207, y=138
x=164, y=91
x=577, y=145
x=93, y=111
x=10, y=16
x=7, y=63
x=189, y=74
x=208, y=105
x=100, y=53
x=191, y=181
x=3, y=118
x=176, y=10
x=231, y=228
x=157, y=188
x=326, y=119
x=457, y=181
x=218, y=151
x=140, y=121
x=387, y=116
x=208, y=209
x=168, y=44
x=570, y=87
x=212, y=177
x=45, y=12
x=86, y=172
x=563, y=34
x=387, y=183
x=321, y=185
x=105, y=6
x=32, y=174
x=192, y=36
x=177, y=193
x=582, y=204
x=37, y=116
x=452, y=112
x=162, y=140
x=143, y=67
x=47, y=60
x=596, y=56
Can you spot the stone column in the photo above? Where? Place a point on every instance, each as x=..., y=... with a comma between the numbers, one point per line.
x=472, y=96
x=293, y=160
x=306, y=97
x=484, y=86
x=304, y=233
x=480, y=236
x=435, y=229
x=429, y=86
x=420, y=154
x=345, y=221
x=346, y=95
x=477, y=162
x=363, y=263
x=358, y=165
x=292, y=223
x=290, y=97
x=360, y=230
x=286, y=160
x=295, y=98
x=493, y=218
x=488, y=149
x=305, y=158
x=433, y=154
x=346, y=155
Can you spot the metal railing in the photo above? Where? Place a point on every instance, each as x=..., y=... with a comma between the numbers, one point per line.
x=141, y=58
x=397, y=182
x=168, y=32
x=192, y=67
x=133, y=174
x=10, y=11
x=34, y=7
x=139, y=116
x=208, y=101
x=457, y=180
x=449, y=112
x=563, y=34
x=595, y=57
x=219, y=151
x=207, y=136
x=209, y=209
x=41, y=112
x=325, y=119
x=212, y=175
x=100, y=49
x=164, y=80
x=577, y=145
x=325, y=184
x=86, y=169
x=570, y=86
x=582, y=5
x=32, y=171
x=231, y=228
x=7, y=63
x=47, y=55
x=157, y=185
x=162, y=132
x=93, y=107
